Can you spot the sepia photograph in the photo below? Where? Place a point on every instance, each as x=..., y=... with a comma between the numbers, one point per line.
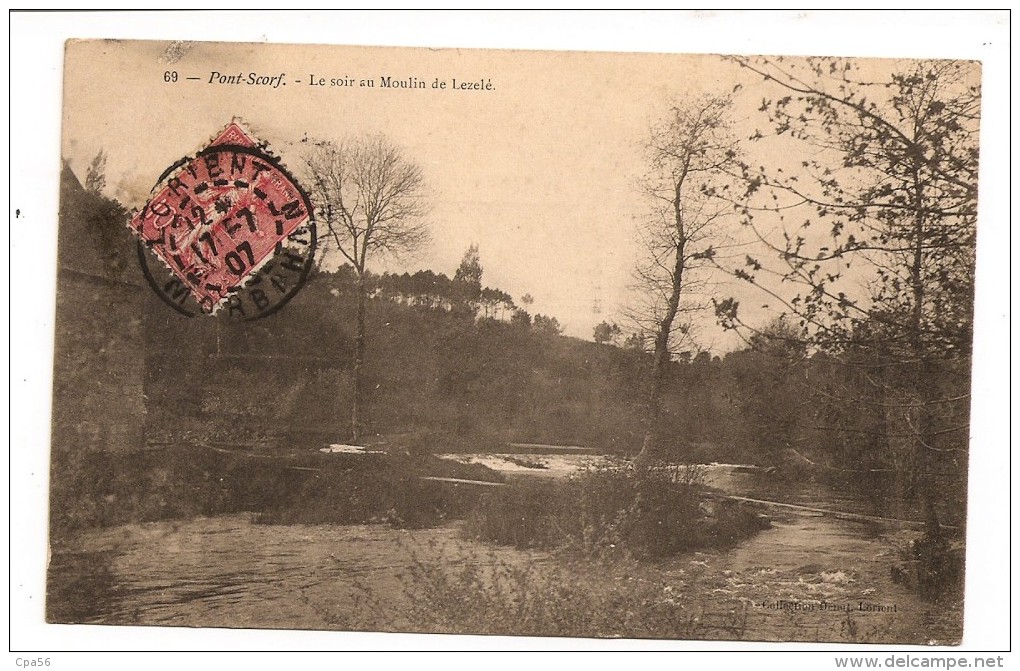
x=527, y=343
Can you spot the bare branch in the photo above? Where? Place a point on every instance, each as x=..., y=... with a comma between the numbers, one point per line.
x=371, y=199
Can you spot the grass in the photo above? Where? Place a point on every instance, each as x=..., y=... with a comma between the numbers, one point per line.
x=448, y=590
x=535, y=599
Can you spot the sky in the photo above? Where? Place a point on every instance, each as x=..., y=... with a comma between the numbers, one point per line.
x=541, y=172
x=546, y=214
x=539, y=166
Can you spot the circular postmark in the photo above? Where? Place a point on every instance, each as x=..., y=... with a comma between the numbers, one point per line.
x=229, y=231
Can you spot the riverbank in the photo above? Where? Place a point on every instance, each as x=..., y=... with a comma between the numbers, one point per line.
x=567, y=563
x=806, y=579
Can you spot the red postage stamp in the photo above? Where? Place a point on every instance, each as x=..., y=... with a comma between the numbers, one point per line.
x=221, y=216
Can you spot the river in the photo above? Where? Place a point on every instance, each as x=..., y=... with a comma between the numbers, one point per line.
x=810, y=577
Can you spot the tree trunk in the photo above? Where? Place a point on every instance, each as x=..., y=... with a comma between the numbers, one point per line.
x=922, y=380
x=359, y=359
x=651, y=447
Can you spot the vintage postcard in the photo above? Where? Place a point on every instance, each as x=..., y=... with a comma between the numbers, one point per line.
x=529, y=343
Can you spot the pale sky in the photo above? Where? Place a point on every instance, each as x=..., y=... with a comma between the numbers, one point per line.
x=540, y=172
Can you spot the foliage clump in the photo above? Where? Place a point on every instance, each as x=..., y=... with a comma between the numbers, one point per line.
x=613, y=511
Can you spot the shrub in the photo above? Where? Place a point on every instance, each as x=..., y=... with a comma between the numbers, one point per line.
x=535, y=599
x=611, y=511
x=526, y=595
x=524, y=515
x=932, y=565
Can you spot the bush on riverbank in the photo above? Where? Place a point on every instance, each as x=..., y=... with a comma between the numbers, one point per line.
x=933, y=566
x=451, y=589
x=535, y=598
x=101, y=489
x=612, y=512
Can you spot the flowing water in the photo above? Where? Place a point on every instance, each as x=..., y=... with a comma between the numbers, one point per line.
x=812, y=577
x=809, y=577
x=225, y=571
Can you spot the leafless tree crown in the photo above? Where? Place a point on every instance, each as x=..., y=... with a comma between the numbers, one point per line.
x=371, y=199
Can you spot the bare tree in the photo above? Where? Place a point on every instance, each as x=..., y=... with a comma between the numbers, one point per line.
x=688, y=152
x=372, y=201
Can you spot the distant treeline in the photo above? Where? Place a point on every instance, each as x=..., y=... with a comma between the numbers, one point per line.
x=435, y=290
x=439, y=369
